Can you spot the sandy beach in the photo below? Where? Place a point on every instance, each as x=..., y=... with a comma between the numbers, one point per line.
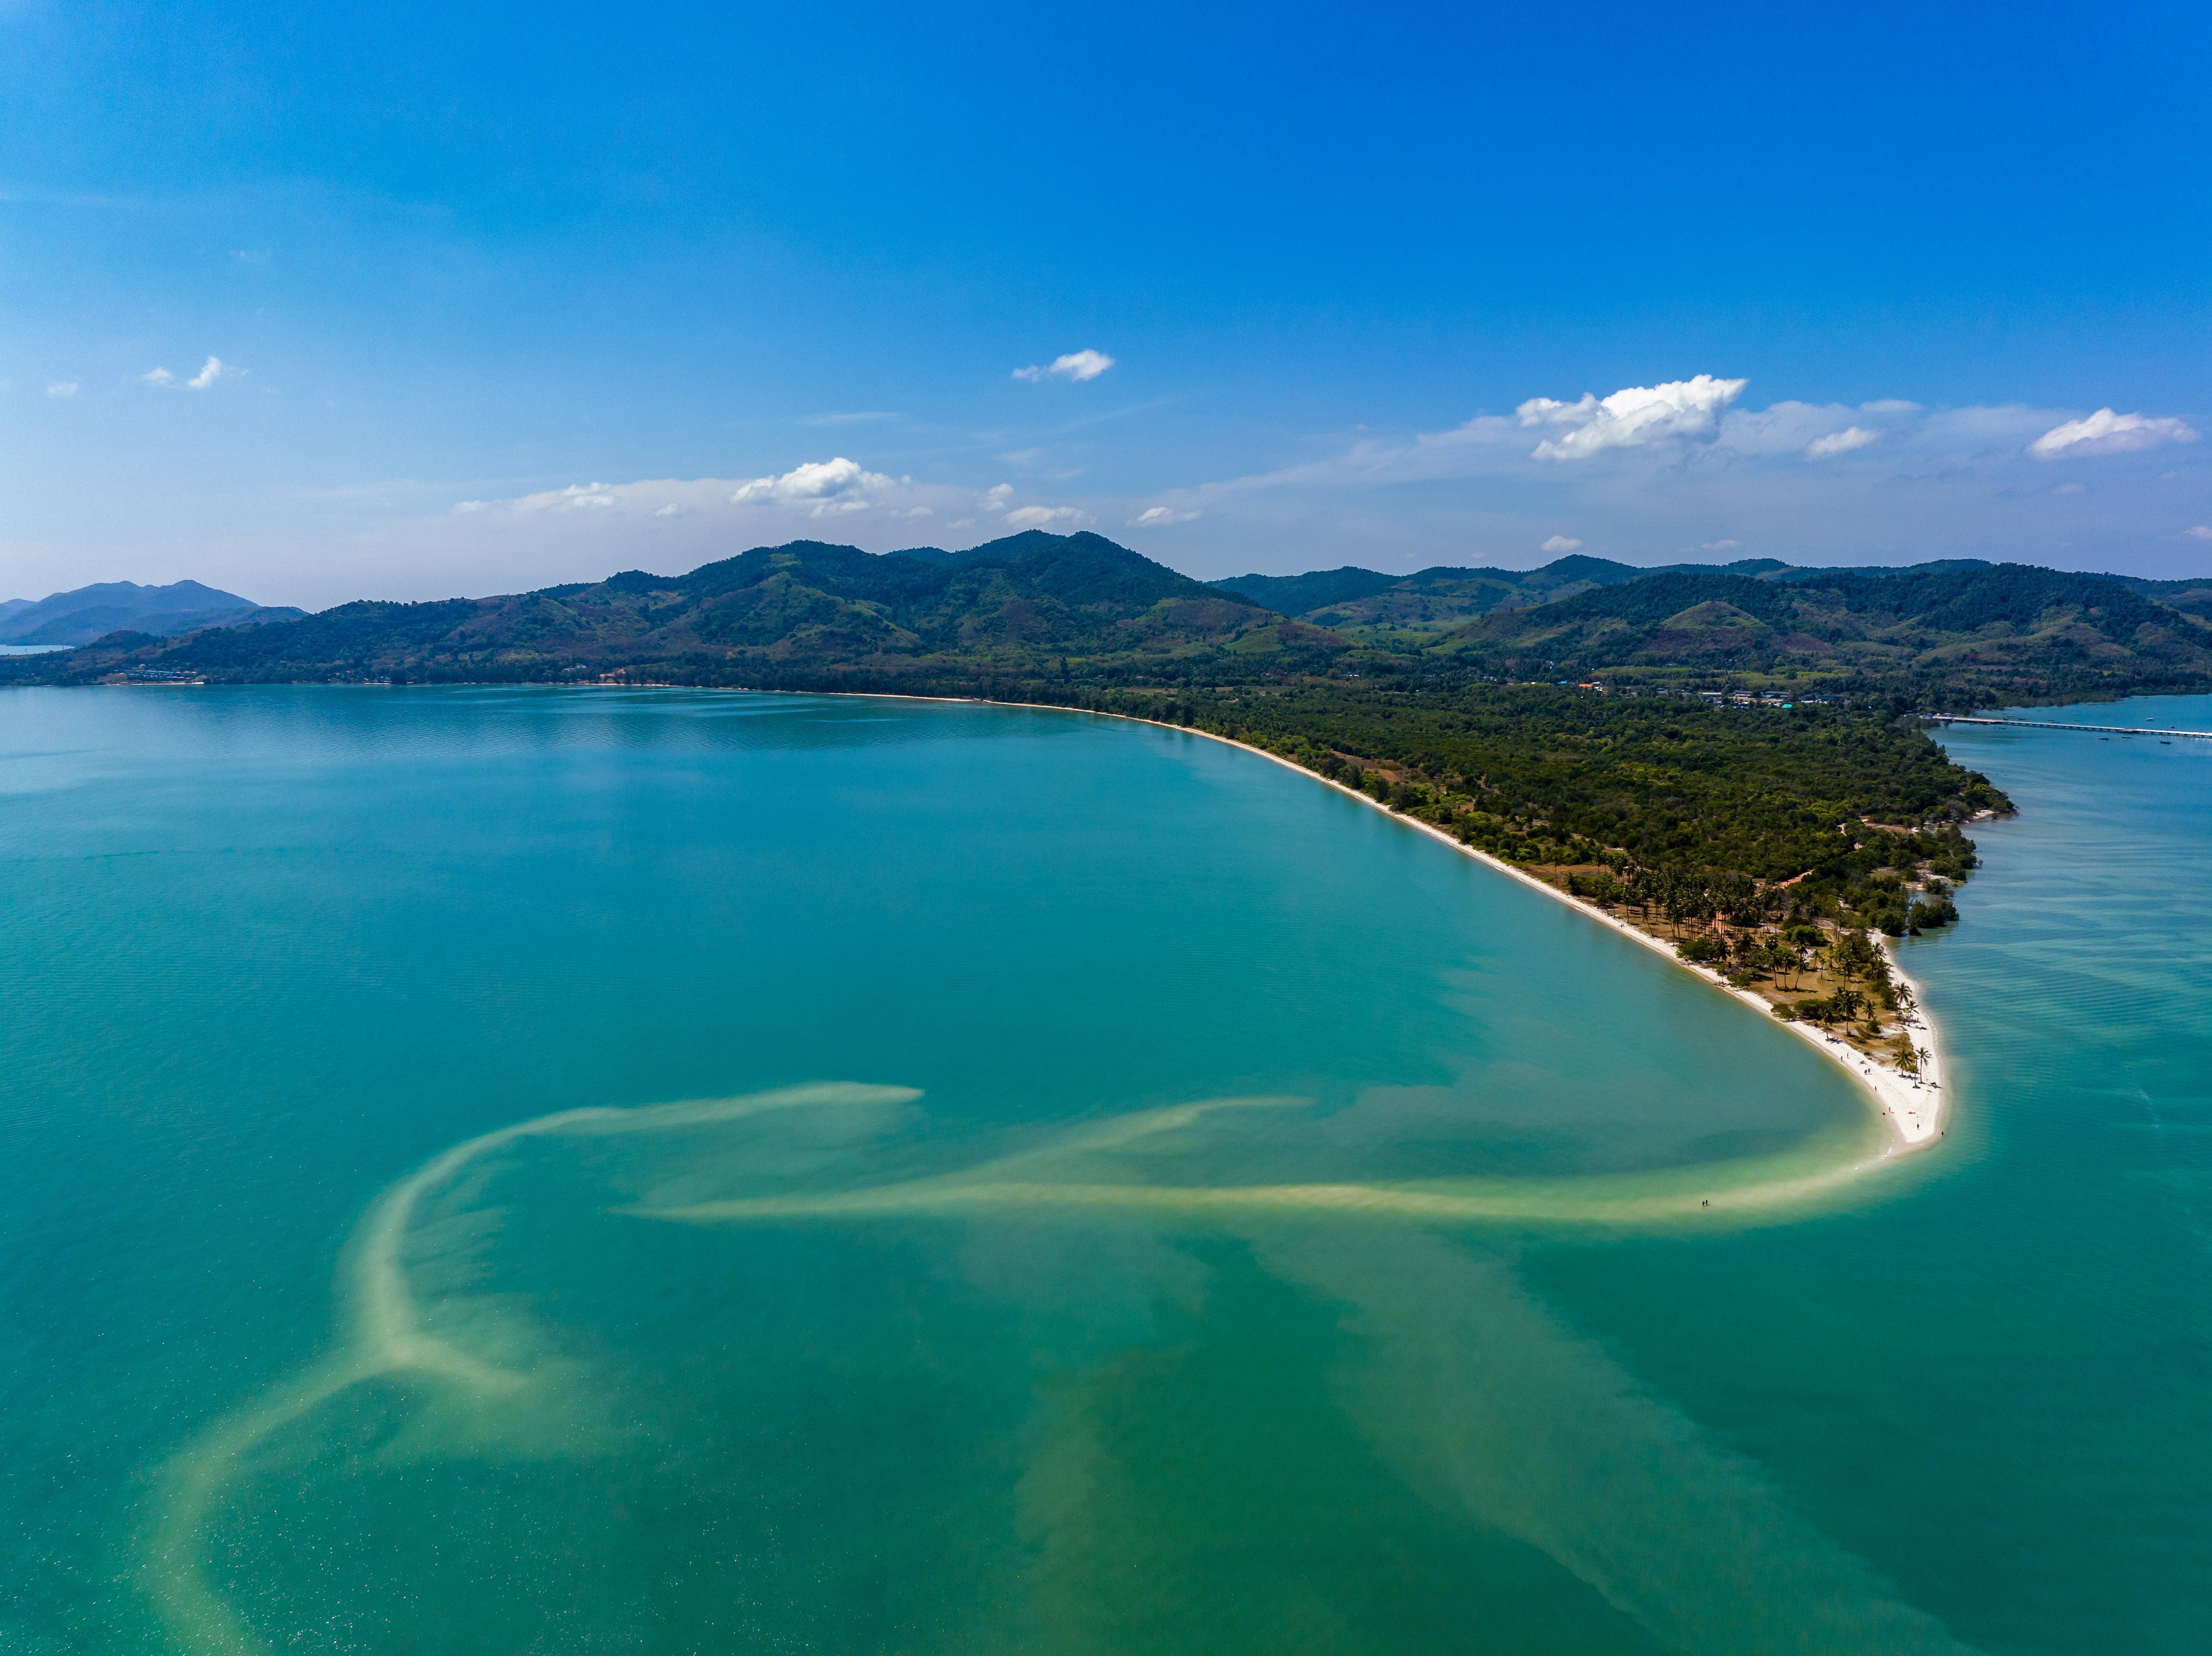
x=1912, y=1105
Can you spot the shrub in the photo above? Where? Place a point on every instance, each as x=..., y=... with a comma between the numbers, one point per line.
x=1927, y=916
x=1596, y=888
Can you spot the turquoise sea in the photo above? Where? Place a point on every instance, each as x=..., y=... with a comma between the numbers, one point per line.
x=493, y=1170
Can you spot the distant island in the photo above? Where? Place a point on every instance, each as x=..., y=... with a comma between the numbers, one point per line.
x=1729, y=759
x=91, y=613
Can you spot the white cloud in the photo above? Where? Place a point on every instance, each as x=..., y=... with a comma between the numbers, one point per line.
x=852, y=419
x=823, y=488
x=1840, y=442
x=574, y=498
x=2201, y=532
x=1159, y=517
x=62, y=388
x=1792, y=427
x=1077, y=366
x=996, y=496
x=1639, y=436
x=2107, y=433
x=1719, y=546
x=1936, y=483
x=250, y=255
x=212, y=369
x=1042, y=517
x=588, y=528
x=1560, y=543
x=1635, y=417
x=2071, y=489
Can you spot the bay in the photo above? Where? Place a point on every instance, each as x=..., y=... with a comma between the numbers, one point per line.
x=1143, y=1200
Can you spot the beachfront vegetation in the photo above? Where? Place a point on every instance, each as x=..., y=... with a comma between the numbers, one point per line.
x=1765, y=844
x=1694, y=811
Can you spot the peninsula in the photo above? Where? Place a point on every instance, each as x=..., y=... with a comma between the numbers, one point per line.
x=1869, y=1020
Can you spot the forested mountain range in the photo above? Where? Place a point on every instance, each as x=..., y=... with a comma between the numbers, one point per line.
x=1038, y=609
x=1361, y=602
x=1350, y=599
x=1959, y=627
x=2000, y=632
x=773, y=614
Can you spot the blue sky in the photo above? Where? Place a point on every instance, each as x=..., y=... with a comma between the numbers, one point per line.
x=499, y=296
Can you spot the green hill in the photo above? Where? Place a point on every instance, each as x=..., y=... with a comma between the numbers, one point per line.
x=2192, y=596
x=1394, y=611
x=1971, y=633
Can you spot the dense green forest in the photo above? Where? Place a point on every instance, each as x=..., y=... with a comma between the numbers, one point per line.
x=1940, y=636
x=2002, y=633
x=1765, y=843
x=1726, y=802
x=1363, y=600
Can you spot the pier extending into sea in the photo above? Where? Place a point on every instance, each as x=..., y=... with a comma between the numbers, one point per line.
x=2062, y=724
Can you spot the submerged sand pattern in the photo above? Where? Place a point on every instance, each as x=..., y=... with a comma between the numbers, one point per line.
x=1466, y=1387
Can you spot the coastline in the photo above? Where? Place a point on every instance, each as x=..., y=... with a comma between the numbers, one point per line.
x=1912, y=1106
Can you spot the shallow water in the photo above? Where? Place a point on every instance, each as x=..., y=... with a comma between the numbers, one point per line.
x=1142, y=1200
